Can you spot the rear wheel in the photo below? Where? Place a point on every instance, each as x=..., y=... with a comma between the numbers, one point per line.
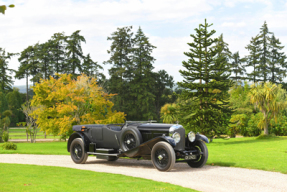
x=77, y=151
x=202, y=157
x=163, y=156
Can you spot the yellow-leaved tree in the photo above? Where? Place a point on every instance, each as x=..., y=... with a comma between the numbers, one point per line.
x=65, y=102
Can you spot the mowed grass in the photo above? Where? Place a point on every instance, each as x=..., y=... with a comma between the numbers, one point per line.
x=41, y=148
x=15, y=177
x=265, y=154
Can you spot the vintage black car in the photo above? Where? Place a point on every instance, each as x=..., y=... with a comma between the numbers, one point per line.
x=164, y=144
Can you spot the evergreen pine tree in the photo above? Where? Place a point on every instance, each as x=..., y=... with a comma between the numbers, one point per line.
x=141, y=102
x=74, y=53
x=277, y=65
x=122, y=67
x=162, y=87
x=253, y=59
x=91, y=68
x=237, y=66
x=45, y=58
x=58, y=52
x=264, y=52
x=205, y=84
x=6, y=81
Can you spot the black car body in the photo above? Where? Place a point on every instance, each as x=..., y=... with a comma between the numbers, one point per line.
x=164, y=144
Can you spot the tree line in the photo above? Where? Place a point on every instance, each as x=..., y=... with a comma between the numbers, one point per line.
x=203, y=100
x=214, y=100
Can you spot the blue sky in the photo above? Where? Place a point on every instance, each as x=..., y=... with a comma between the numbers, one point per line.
x=168, y=24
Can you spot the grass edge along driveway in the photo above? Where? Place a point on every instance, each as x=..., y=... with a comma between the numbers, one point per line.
x=49, y=178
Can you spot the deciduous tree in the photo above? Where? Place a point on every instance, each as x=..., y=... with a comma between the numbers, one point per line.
x=65, y=102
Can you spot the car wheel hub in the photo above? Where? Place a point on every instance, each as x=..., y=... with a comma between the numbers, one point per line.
x=160, y=157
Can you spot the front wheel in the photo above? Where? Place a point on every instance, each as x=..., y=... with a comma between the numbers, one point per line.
x=163, y=156
x=202, y=156
x=77, y=151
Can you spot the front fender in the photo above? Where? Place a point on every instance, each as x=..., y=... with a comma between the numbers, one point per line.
x=201, y=137
x=146, y=147
x=79, y=135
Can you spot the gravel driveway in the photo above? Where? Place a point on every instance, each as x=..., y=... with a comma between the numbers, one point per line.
x=208, y=178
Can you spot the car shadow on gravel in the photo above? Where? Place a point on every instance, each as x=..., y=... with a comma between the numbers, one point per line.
x=124, y=163
x=146, y=164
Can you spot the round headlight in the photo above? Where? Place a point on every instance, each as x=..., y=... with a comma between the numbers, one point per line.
x=191, y=136
x=176, y=137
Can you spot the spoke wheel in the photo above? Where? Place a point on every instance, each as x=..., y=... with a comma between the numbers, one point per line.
x=202, y=157
x=163, y=156
x=130, y=141
x=77, y=151
x=130, y=138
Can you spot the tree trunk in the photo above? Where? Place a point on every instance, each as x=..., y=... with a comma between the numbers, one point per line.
x=266, y=125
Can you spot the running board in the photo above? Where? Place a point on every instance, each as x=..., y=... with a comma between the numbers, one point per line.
x=103, y=154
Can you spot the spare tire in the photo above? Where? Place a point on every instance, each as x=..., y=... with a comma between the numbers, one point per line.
x=130, y=138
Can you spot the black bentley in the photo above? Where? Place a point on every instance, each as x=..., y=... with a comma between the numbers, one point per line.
x=164, y=144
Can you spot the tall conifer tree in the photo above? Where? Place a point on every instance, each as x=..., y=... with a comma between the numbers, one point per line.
x=237, y=66
x=6, y=81
x=74, y=52
x=277, y=65
x=58, y=52
x=253, y=60
x=122, y=66
x=205, y=84
x=264, y=52
x=142, y=100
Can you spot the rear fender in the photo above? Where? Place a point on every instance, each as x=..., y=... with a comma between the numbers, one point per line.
x=79, y=135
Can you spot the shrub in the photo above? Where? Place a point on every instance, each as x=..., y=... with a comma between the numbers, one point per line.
x=252, y=128
x=9, y=146
x=279, y=127
x=5, y=136
x=263, y=136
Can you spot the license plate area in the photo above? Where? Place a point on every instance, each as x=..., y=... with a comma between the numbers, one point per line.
x=190, y=157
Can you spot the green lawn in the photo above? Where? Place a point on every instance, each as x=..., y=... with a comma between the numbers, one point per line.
x=44, y=148
x=265, y=154
x=15, y=177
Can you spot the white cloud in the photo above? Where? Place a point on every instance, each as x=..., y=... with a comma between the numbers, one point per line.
x=168, y=23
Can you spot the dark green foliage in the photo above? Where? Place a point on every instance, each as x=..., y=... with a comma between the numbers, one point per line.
x=252, y=128
x=253, y=60
x=5, y=136
x=74, y=53
x=141, y=102
x=236, y=67
x=279, y=127
x=162, y=90
x=9, y=146
x=205, y=83
x=57, y=48
x=3, y=103
x=14, y=101
x=6, y=81
x=239, y=99
x=121, y=70
x=91, y=68
x=277, y=61
x=263, y=40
